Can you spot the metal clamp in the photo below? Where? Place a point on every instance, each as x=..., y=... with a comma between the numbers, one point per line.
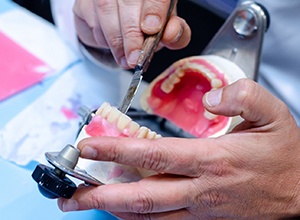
x=240, y=38
x=53, y=182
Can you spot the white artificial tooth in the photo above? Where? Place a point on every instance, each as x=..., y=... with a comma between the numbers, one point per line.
x=133, y=127
x=151, y=135
x=102, y=107
x=123, y=122
x=179, y=73
x=106, y=111
x=114, y=114
x=167, y=87
x=216, y=83
x=210, y=116
x=209, y=76
x=158, y=136
x=187, y=65
x=142, y=132
x=174, y=79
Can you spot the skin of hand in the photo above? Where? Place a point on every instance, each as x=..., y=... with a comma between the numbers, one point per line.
x=121, y=26
x=252, y=172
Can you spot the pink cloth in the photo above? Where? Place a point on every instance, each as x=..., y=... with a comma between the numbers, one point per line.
x=19, y=69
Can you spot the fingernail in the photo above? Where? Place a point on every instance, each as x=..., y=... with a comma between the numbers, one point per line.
x=124, y=63
x=70, y=205
x=88, y=152
x=151, y=22
x=178, y=36
x=133, y=57
x=213, y=98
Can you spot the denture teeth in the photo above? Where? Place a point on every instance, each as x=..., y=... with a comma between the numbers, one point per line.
x=179, y=73
x=216, y=83
x=106, y=111
x=158, y=136
x=142, y=132
x=170, y=82
x=151, y=135
x=123, y=122
x=113, y=116
x=174, y=79
x=102, y=107
x=133, y=128
x=167, y=87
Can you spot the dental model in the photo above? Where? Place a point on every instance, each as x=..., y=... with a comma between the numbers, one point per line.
x=177, y=93
x=109, y=121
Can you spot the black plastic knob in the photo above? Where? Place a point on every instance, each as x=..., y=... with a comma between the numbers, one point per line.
x=53, y=183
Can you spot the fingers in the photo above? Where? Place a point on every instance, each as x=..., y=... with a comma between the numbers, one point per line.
x=153, y=15
x=247, y=99
x=168, y=155
x=136, y=197
x=177, y=33
x=121, y=25
x=87, y=27
x=178, y=214
x=110, y=23
x=132, y=35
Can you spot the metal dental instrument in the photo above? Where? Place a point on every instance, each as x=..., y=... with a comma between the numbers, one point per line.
x=143, y=62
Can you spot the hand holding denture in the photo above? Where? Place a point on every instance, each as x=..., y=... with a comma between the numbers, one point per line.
x=250, y=172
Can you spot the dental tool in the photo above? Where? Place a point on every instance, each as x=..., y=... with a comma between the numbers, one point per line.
x=146, y=54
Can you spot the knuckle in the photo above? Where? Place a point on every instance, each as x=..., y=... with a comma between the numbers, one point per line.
x=105, y=7
x=247, y=92
x=245, y=85
x=157, y=6
x=141, y=204
x=161, y=2
x=153, y=159
x=116, y=42
x=212, y=197
x=219, y=169
x=113, y=153
x=132, y=32
x=102, y=3
x=95, y=202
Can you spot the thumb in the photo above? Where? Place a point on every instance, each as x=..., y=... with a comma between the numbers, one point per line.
x=154, y=15
x=247, y=99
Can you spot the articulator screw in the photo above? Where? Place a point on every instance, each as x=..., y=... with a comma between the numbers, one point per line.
x=52, y=182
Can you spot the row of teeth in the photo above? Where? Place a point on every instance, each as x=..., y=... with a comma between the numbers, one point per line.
x=124, y=123
x=168, y=85
x=173, y=79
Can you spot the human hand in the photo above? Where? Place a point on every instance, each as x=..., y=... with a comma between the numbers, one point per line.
x=120, y=26
x=252, y=172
